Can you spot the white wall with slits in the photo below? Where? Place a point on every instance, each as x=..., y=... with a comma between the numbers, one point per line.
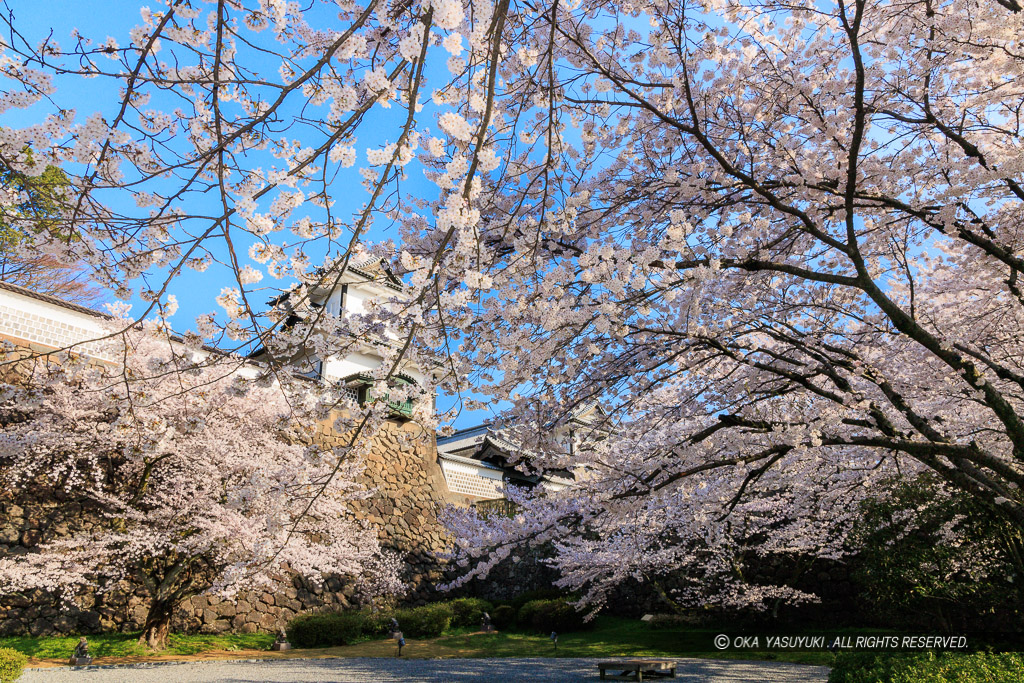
x=26, y=320
x=466, y=478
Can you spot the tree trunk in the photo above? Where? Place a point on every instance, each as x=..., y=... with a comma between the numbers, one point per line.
x=158, y=624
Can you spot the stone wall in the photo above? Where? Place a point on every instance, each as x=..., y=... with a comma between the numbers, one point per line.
x=409, y=490
x=408, y=486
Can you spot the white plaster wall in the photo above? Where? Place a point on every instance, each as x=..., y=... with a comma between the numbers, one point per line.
x=26, y=319
x=355, y=299
x=339, y=368
x=246, y=369
x=30, y=320
x=472, y=481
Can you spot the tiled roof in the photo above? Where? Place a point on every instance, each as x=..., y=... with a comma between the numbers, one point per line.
x=375, y=270
x=50, y=299
x=469, y=461
x=468, y=433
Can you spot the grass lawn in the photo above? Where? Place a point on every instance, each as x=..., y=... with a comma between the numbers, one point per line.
x=127, y=645
x=611, y=637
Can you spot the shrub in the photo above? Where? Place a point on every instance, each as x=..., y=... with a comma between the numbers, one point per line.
x=551, y=615
x=428, y=621
x=327, y=629
x=12, y=663
x=539, y=594
x=503, y=616
x=928, y=667
x=525, y=615
x=467, y=612
x=670, y=621
x=377, y=623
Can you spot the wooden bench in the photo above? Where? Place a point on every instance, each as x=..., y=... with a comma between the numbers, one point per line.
x=636, y=669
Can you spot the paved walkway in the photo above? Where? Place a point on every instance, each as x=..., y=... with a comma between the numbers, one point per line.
x=358, y=670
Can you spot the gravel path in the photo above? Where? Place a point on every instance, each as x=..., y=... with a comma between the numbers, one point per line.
x=358, y=670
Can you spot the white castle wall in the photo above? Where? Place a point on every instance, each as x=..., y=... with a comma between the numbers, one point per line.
x=31, y=321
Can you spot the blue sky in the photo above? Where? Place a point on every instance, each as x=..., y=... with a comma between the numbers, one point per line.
x=195, y=292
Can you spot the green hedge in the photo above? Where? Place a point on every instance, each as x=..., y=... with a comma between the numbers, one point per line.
x=428, y=621
x=551, y=615
x=327, y=629
x=468, y=612
x=376, y=624
x=503, y=617
x=669, y=622
x=539, y=594
x=946, y=667
x=12, y=663
x=330, y=629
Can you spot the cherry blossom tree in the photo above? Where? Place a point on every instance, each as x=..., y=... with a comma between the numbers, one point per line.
x=189, y=481
x=777, y=241
x=783, y=253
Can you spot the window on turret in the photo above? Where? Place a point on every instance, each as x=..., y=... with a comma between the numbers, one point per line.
x=332, y=306
x=362, y=382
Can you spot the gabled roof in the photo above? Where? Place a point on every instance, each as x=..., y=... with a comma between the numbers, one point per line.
x=469, y=461
x=475, y=438
x=485, y=446
x=378, y=270
x=374, y=269
x=581, y=414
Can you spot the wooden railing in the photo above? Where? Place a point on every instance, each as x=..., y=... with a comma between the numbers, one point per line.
x=403, y=408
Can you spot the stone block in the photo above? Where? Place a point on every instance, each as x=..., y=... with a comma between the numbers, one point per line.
x=30, y=537
x=41, y=627
x=17, y=601
x=90, y=622
x=11, y=627
x=267, y=622
x=64, y=623
x=219, y=626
